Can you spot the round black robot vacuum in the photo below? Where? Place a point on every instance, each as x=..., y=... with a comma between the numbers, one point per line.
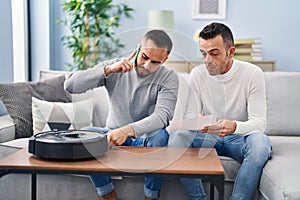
x=68, y=145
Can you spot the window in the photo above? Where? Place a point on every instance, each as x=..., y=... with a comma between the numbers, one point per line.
x=20, y=39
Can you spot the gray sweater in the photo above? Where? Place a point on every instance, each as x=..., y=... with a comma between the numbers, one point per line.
x=146, y=103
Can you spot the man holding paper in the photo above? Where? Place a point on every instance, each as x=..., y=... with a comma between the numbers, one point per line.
x=234, y=92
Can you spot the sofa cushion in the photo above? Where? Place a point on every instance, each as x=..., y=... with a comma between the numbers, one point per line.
x=17, y=100
x=280, y=177
x=100, y=104
x=61, y=116
x=7, y=128
x=46, y=74
x=98, y=95
x=283, y=97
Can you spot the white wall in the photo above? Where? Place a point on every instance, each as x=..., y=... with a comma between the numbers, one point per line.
x=276, y=22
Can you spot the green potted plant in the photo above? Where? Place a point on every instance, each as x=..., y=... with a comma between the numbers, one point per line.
x=92, y=26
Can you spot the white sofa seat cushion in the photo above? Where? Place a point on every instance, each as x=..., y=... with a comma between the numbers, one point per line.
x=280, y=177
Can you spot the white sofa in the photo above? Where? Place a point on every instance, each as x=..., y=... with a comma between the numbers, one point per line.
x=280, y=178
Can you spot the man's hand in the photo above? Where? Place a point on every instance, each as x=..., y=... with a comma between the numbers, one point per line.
x=222, y=128
x=119, y=136
x=123, y=65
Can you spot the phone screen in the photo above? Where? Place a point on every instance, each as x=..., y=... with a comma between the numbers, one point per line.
x=136, y=54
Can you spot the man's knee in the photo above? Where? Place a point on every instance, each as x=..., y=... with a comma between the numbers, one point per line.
x=181, y=138
x=259, y=145
x=158, y=138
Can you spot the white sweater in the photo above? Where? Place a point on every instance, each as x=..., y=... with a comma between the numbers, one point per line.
x=238, y=95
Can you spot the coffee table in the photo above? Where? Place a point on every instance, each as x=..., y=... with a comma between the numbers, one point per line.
x=127, y=161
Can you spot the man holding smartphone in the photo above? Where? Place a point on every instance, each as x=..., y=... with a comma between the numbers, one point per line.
x=143, y=95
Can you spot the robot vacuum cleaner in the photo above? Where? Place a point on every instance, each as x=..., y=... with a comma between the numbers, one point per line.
x=68, y=145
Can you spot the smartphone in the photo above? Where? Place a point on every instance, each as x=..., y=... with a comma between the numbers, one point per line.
x=138, y=47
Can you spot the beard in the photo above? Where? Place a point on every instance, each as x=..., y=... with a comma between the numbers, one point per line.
x=212, y=69
x=141, y=71
x=219, y=68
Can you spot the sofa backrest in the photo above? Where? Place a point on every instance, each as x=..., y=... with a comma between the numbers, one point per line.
x=182, y=95
x=283, y=97
x=282, y=93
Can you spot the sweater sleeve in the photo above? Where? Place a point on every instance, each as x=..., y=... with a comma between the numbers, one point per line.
x=164, y=108
x=82, y=80
x=256, y=106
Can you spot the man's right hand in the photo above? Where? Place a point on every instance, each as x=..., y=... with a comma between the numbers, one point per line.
x=118, y=136
x=222, y=128
x=123, y=65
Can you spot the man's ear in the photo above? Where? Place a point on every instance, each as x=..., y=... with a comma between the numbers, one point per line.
x=231, y=51
x=165, y=59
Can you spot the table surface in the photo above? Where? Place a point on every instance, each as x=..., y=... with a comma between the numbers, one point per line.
x=159, y=160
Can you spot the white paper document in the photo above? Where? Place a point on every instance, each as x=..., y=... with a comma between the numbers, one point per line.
x=193, y=124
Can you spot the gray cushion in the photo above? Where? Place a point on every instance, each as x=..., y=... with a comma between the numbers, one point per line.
x=283, y=97
x=280, y=178
x=7, y=128
x=17, y=100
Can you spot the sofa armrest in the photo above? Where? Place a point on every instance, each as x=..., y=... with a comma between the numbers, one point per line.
x=7, y=129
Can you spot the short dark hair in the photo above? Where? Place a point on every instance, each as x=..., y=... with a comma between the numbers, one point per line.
x=160, y=38
x=212, y=30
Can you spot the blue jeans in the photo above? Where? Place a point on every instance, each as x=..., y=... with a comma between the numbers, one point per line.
x=252, y=151
x=152, y=186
